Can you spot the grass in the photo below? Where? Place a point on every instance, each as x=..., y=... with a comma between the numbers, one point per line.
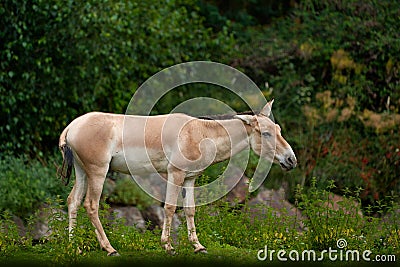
x=157, y=257
x=148, y=257
x=233, y=236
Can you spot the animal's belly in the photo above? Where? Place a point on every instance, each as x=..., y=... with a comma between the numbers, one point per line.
x=139, y=162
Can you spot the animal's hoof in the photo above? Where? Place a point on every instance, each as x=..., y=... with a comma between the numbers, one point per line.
x=171, y=252
x=169, y=249
x=113, y=254
x=201, y=250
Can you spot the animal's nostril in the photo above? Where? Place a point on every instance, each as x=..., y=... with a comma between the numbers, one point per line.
x=289, y=159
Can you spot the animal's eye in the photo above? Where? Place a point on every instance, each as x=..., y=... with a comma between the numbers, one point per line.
x=266, y=134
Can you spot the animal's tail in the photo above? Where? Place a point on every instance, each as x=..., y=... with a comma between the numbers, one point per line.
x=68, y=158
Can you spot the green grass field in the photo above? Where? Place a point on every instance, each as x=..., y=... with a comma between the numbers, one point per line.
x=233, y=237
x=157, y=257
x=148, y=257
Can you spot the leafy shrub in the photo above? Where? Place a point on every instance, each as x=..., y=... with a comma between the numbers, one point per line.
x=61, y=59
x=65, y=247
x=10, y=240
x=26, y=185
x=242, y=13
x=347, y=47
x=329, y=222
x=221, y=226
x=332, y=68
x=68, y=249
x=344, y=148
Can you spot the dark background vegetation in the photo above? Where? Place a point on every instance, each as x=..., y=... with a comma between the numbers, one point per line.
x=331, y=66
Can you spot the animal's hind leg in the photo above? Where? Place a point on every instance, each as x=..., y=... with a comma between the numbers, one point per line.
x=189, y=208
x=75, y=197
x=175, y=180
x=96, y=177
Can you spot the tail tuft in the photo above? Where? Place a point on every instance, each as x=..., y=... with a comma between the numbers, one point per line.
x=68, y=160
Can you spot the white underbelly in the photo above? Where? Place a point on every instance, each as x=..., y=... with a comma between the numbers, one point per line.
x=139, y=161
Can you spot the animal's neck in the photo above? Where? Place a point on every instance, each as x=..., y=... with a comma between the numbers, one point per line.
x=229, y=136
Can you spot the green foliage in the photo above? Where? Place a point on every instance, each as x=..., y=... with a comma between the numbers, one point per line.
x=330, y=220
x=72, y=246
x=10, y=240
x=71, y=249
x=60, y=59
x=26, y=185
x=347, y=47
x=127, y=192
x=328, y=223
x=348, y=153
x=242, y=13
x=349, y=50
x=244, y=227
x=221, y=227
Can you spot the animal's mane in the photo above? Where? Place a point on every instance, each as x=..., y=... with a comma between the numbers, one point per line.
x=226, y=116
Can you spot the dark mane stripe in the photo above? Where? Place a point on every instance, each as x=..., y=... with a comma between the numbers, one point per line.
x=225, y=116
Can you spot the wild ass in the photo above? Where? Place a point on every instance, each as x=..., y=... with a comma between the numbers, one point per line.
x=98, y=142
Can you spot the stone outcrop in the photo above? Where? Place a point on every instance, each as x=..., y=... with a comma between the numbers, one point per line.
x=131, y=215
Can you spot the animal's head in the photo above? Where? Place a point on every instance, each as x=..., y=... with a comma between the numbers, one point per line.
x=266, y=139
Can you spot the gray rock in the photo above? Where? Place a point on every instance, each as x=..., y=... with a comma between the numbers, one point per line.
x=132, y=216
x=348, y=206
x=41, y=227
x=275, y=199
x=20, y=225
x=239, y=192
x=155, y=215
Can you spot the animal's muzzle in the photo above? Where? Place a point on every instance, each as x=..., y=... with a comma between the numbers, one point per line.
x=289, y=162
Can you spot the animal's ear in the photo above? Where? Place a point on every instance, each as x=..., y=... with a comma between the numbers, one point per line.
x=246, y=118
x=266, y=111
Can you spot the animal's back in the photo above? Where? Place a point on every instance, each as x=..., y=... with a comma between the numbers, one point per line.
x=110, y=139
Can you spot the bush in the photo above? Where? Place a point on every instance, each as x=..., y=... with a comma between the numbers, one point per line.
x=348, y=48
x=10, y=240
x=333, y=68
x=219, y=225
x=61, y=59
x=24, y=186
x=66, y=250
x=329, y=220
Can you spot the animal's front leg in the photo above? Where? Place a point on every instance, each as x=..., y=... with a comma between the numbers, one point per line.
x=175, y=180
x=189, y=207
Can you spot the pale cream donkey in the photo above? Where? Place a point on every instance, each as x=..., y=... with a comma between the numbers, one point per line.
x=177, y=146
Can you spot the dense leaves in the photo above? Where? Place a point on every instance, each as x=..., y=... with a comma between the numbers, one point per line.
x=60, y=59
x=332, y=67
x=348, y=47
x=24, y=186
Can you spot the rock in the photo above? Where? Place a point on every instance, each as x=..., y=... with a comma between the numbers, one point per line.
x=41, y=227
x=155, y=215
x=132, y=216
x=349, y=206
x=391, y=217
x=239, y=193
x=154, y=184
x=109, y=187
x=20, y=225
x=277, y=201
